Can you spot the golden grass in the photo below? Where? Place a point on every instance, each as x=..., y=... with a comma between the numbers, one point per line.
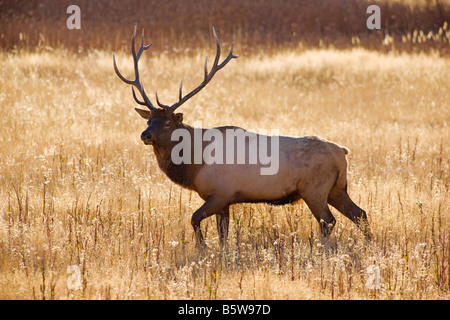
x=77, y=187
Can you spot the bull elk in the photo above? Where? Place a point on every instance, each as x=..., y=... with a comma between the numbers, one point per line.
x=310, y=168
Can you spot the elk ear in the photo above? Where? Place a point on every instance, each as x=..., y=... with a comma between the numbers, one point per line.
x=144, y=113
x=178, y=117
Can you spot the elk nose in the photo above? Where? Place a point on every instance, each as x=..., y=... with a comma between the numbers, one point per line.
x=146, y=137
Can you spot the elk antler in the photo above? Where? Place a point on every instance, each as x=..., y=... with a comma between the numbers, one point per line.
x=136, y=81
x=208, y=76
x=181, y=99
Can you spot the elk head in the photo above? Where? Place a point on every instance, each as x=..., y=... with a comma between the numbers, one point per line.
x=163, y=121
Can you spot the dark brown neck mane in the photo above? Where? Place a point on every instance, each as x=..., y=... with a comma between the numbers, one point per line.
x=182, y=174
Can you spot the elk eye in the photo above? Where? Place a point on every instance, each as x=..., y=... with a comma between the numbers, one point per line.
x=167, y=123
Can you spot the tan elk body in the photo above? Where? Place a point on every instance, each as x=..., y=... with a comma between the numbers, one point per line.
x=308, y=168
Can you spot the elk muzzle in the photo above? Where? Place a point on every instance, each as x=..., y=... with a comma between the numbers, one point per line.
x=146, y=137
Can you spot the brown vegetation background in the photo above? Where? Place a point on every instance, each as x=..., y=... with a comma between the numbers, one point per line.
x=253, y=25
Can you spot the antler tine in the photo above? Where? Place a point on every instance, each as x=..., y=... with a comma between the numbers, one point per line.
x=136, y=81
x=136, y=99
x=207, y=76
x=180, y=95
x=142, y=47
x=119, y=74
x=164, y=106
x=216, y=60
x=133, y=48
x=228, y=58
x=206, y=68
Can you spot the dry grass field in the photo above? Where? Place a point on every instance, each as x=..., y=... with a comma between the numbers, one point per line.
x=80, y=192
x=78, y=187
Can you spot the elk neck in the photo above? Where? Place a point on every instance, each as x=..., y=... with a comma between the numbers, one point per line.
x=182, y=174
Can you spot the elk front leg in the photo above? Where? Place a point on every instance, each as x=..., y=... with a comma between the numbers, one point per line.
x=213, y=205
x=223, y=220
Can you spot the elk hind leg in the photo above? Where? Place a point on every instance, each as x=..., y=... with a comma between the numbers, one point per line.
x=342, y=202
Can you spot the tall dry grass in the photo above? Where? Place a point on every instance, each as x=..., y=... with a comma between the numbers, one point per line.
x=77, y=187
